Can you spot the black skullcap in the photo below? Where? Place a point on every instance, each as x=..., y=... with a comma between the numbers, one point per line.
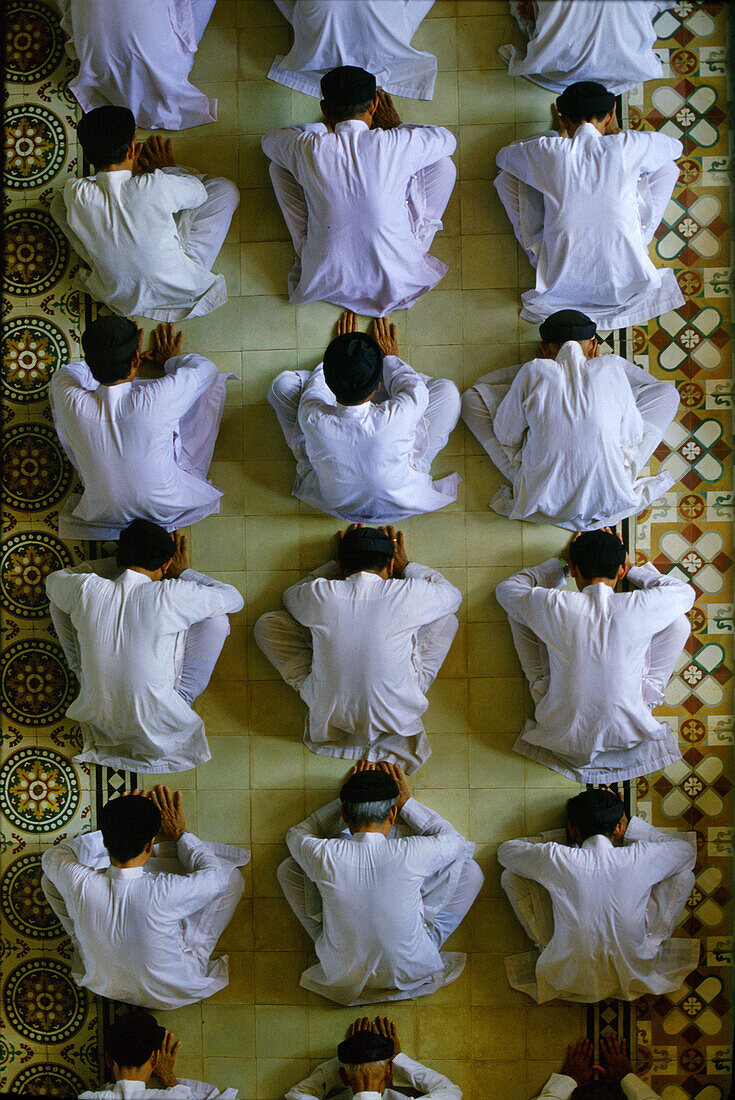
x=586, y=97
x=369, y=786
x=598, y=813
x=567, y=324
x=348, y=85
x=104, y=131
x=110, y=343
x=365, y=1046
x=144, y=544
x=133, y=1037
x=353, y=367
x=366, y=540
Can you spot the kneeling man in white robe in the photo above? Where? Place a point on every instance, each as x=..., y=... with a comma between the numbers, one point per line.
x=146, y=231
x=138, y=55
x=143, y=917
x=572, y=429
x=361, y=640
x=141, y=446
x=142, y=633
x=365, y=427
x=138, y=1051
x=576, y=1080
x=597, y=661
x=374, y=34
x=575, y=40
x=370, y=1061
x=601, y=907
x=379, y=900
x=362, y=196
x=584, y=205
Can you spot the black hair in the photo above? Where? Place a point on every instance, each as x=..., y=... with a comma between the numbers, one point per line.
x=133, y=1038
x=583, y=114
x=339, y=112
x=128, y=823
x=110, y=371
x=593, y=812
x=598, y=1090
x=354, y=560
x=144, y=544
x=116, y=156
x=597, y=554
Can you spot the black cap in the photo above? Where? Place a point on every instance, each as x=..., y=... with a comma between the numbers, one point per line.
x=103, y=131
x=567, y=324
x=353, y=367
x=133, y=1037
x=369, y=786
x=365, y=540
x=365, y=1046
x=599, y=813
x=110, y=343
x=586, y=97
x=348, y=85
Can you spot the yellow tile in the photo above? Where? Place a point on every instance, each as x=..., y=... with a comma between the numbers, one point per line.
x=448, y=764
x=545, y=806
x=238, y=935
x=274, y=812
x=492, y=540
x=276, y=927
x=266, y=323
x=236, y=1073
x=479, y=40
x=451, y=802
x=488, y=261
x=227, y=475
x=553, y=1027
x=489, y=982
x=268, y=487
x=498, y=1080
x=218, y=543
x=495, y=815
x=490, y=316
x=277, y=975
x=213, y=155
x=277, y=1075
x=253, y=163
x=498, y=1033
x=265, y=589
x=448, y=707
x=481, y=603
x=216, y=56
x=493, y=762
x=255, y=52
x=228, y=1030
x=239, y=990
x=272, y=540
x=224, y=707
x=277, y=762
x=496, y=705
x=479, y=145
x=486, y=95
x=441, y=110
x=232, y=661
x=328, y=1025
x=262, y=106
x=439, y=37
x=275, y=708
x=281, y=1030
x=443, y=1031
x=264, y=862
x=439, y=540
x=491, y=650
x=264, y=266
x=186, y=1024
x=435, y=318
x=229, y=766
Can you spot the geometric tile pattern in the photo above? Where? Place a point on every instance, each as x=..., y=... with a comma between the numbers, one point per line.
x=263, y=1033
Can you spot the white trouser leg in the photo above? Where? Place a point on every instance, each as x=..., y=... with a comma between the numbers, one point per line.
x=433, y=643
x=654, y=191
x=210, y=222
x=479, y=406
x=428, y=193
x=441, y=416
x=284, y=397
x=68, y=640
x=416, y=10
x=292, y=201
x=295, y=885
x=658, y=404
x=204, y=641
x=532, y=906
x=286, y=644
x=663, y=653
x=524, y=206
x=533, y=655
x=201, y=930
x=201, y=11
x=454, y=912
x=199, y=427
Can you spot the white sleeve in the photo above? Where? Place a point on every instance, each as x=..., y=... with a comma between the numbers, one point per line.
x=437, y=596
x=200, y=1091
x=183, y=190
x=206, y=877
x=321, y=1082
x=435, y=842
x=529, y=856
x=635, y=1089
x=649, y=150
x=422, y=1080
x=64, y=869
x=672, y=854
x=62, y=590
x=525, y=595
x=558, y=1087
x=281, y=146
x=322, y=825
x=408, y=394
x=187, y=378
x=193, y=597
x=510, y=424
x=661, y=598
x=417, y=146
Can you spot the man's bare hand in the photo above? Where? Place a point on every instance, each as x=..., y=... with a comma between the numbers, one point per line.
x=173, y=824
x=163, y=344
x=578, y=1064
x=347, y=323
x=137, y=150
x=396, y=773
x=613, y=126
x=400, y=557
x=564, y=556
x=385, y=335
x=362, y=766
x=386, y=116
x=361, y=1024
x=386, y=1027
x=156, y=152
x=163, y=1066
x=180, y=560
x=615, y=1057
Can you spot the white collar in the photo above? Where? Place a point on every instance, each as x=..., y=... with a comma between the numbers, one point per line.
x=368, y=838
x=350, y=124
x=353, y=411
x=364, y=576
x=597, y=841
x=132, y=577
x=104, y=179
x=124, y=872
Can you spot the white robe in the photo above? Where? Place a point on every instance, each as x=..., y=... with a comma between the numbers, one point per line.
x=561, y=1087
x=130, y=232
x=572, y=430
x=131, y=633
x=365, y=247
x=589, y=245
x=364, y=691
x=137, y=54
x=184, y=1089
x=372, y=34
x=575, y=40
x=376, y=895
x=141, y=448
x=593, y=719
x=364, y=462
x=144, y=934
x=614, y=911
x=324, y=1083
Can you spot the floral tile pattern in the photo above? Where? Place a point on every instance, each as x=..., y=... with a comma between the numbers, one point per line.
x=51, y=1041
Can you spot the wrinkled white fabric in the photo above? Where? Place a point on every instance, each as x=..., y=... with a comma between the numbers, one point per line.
x=575, y=40
x=184, y=1089
x=324, y=1082
x=614, y=912
x=561, y=1087
x=580, y=218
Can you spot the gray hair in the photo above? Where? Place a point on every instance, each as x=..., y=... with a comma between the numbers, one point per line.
x=368, y=813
